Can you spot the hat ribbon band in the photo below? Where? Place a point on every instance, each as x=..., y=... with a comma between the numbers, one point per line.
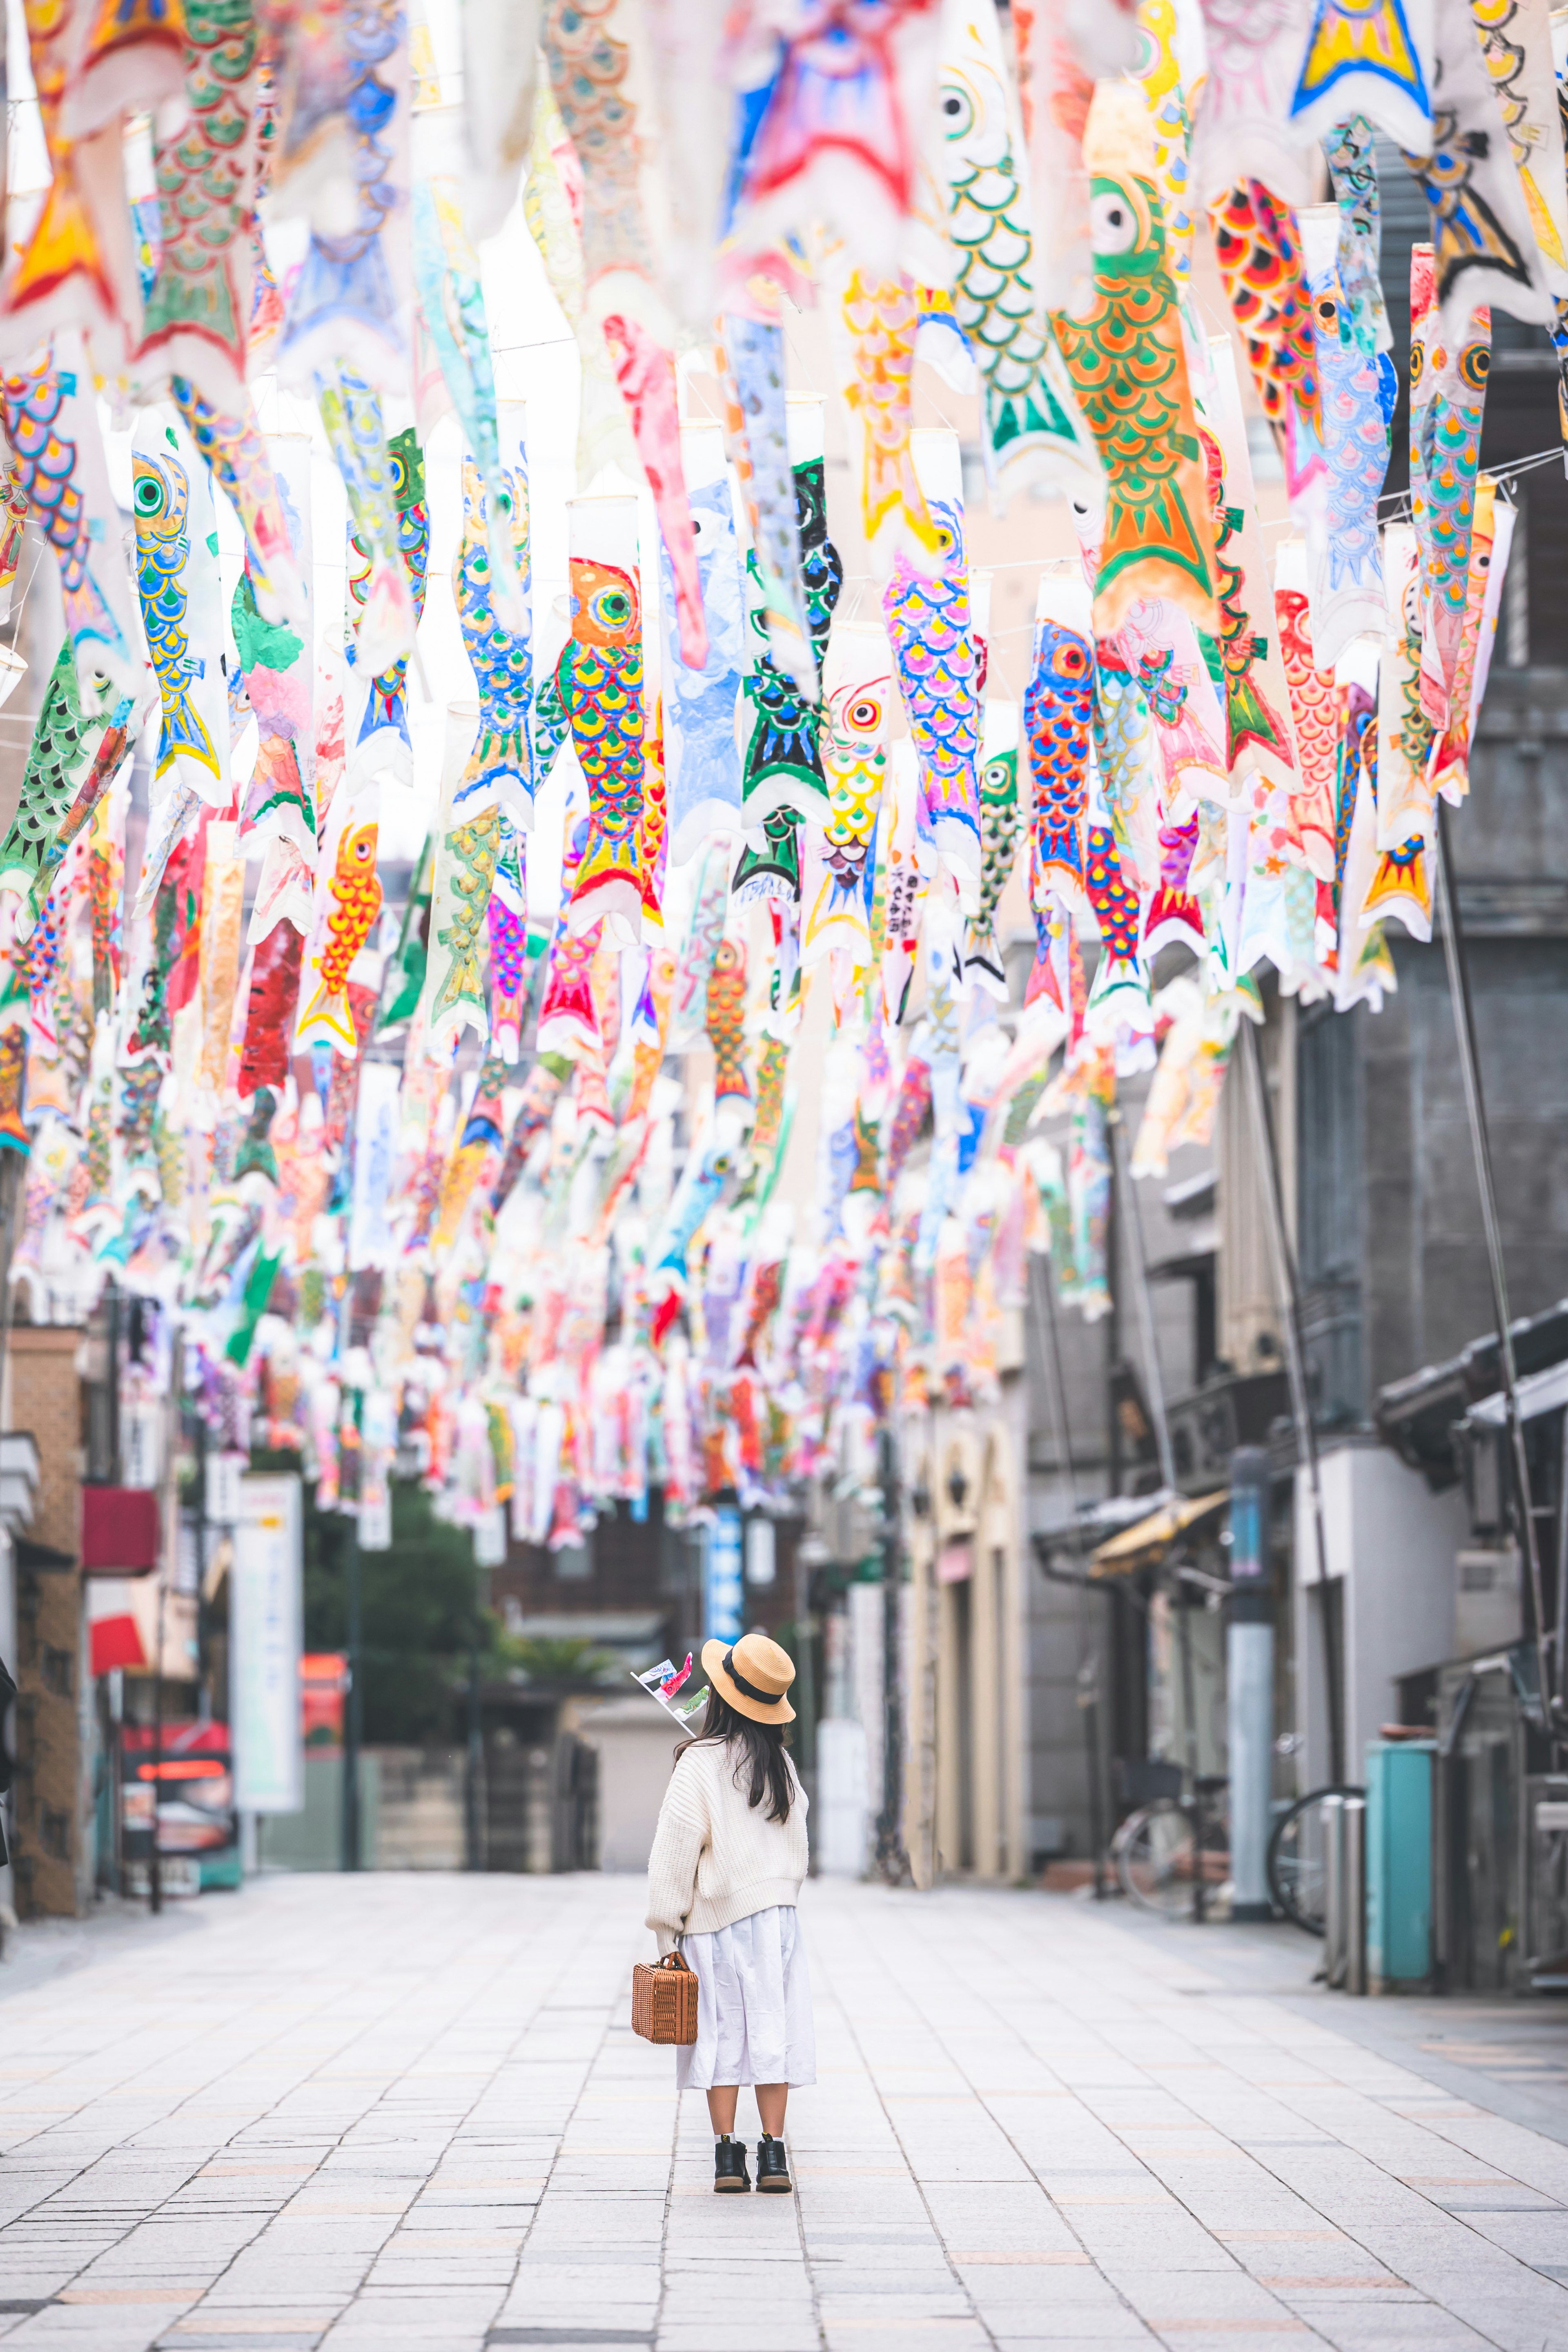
x=746, y=1689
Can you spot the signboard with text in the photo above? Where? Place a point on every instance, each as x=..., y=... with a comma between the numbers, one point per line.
x=723, y=1597
x=266, y=1612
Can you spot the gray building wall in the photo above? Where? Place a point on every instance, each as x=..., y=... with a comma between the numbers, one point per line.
x=1392, y=1258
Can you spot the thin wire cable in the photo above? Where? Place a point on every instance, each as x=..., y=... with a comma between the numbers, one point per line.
x=1502, y=474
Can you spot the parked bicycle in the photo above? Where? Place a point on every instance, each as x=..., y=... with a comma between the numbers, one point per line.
x=1297, y=1882
x=1173, y=1856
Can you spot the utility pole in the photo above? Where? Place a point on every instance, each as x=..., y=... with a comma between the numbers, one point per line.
x=1458, y=963
x=354, y=1705
x=1288, y=1293
x=473, y=1778
x=891, y=1859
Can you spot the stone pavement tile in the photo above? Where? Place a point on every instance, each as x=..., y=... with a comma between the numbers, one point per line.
x=764, y=2331
x=1116, y=2331
x=855, y=2331
x=453, y=2322
x=881, y=2269
x=1308, y=2256
x=878, y=2204
x=953, y=2139
x=1152, y=2289
x=998, y=2216
x=1165, y=2236
x=1003, y=2292
x=593, y=2225
x=78, y=2330
x=580, y=2294
x=1524, y=2155
x=1406, y=2327
x=605, y=2174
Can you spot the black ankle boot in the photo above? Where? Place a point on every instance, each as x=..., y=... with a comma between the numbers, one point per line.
x=731, y=2178
x=772, y=2167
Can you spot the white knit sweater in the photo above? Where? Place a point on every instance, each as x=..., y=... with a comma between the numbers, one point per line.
x=716, y=1858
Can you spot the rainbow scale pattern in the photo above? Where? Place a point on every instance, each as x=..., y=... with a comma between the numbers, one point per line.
x=933, y=648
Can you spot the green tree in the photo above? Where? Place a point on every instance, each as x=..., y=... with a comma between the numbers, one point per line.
x=421, y=1601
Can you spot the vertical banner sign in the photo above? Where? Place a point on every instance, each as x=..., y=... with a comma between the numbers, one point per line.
x=266, y=1613
x=224, y=1473
x=722, y=1593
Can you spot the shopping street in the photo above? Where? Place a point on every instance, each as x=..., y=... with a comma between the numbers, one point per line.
x=400, y=2111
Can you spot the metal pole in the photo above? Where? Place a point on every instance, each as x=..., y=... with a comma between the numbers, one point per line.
x=1145, y=1304
x=354, y=1711
x=1333, y=1891
x=155, y=1865
x=113, y=1291
x=1355, y=1894
x=891, y=1859
x=1088, y=1665
x=473, y=1778
x=1113, y=1330
x=203, y=1615
x=1288, y=1294
x=1562, y=1565
x=1480, y=1144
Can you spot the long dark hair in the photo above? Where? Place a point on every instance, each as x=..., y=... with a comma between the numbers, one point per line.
x=761, y=1746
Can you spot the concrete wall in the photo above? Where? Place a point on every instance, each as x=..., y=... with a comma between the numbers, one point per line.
x=1394, y=1546
x=636, y=1745
x=1425, y=1283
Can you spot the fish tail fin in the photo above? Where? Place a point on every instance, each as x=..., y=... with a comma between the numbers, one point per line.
x=184, y=737
x=387, y=704
x=63, y=245
x=982, y=956
x=330, y=1010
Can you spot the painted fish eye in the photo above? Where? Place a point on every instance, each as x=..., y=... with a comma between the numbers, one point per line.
x=1417, y=364
x=399, y=472
x=1112, y=224
x=956, y=108
x=1475, y=365
x=148, y=494
x=864, y=711
x=613, y=608
x=1328, y=314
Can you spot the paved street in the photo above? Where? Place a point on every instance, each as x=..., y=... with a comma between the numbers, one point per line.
x=392, y=2113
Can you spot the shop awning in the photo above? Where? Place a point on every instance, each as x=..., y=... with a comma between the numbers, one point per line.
x=1140, y=1545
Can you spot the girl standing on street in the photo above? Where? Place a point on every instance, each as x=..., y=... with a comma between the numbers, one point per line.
x=728, y=1859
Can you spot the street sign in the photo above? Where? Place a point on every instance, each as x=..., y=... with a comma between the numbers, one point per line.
x=723, y=1593
x=266, y=1612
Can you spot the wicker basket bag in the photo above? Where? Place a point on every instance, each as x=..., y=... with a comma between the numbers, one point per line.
x=664, y=2000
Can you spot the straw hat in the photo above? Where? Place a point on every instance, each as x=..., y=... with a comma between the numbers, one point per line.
x=752, y=1676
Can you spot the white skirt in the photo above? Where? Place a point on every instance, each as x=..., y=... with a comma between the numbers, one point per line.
x=754, y=2005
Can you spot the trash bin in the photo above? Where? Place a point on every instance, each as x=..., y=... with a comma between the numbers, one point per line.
x=1399, y=1864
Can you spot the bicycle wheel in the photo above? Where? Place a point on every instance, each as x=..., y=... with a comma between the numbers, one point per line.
x=1156, y=1856
x=1296, y=1859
